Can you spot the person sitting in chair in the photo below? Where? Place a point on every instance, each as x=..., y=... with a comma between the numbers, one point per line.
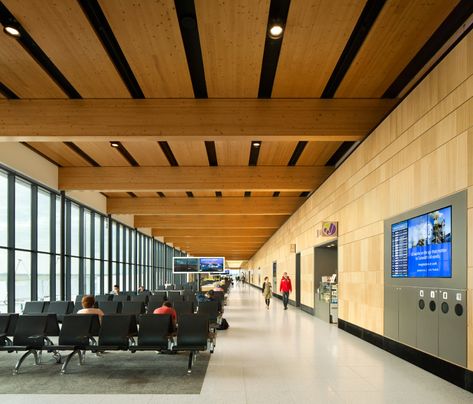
x=88, y=303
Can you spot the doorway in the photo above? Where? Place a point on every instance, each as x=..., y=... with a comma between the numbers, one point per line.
x=326, y=282
x=275, y=277
x=298, y=279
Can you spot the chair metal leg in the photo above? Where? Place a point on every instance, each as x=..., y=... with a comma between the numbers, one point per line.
x=68, y=359
x=191, y=359
x=57, y=356
x=22, y=359
x=81, y=357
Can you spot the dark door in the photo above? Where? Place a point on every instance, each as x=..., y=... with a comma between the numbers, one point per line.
x=275, y=280
x=298, y=279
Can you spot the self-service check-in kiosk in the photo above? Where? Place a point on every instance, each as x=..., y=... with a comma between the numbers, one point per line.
x=425, y=305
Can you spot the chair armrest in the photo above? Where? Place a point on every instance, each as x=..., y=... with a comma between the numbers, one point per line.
x=4, y=337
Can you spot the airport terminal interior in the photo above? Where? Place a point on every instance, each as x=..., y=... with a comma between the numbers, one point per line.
x=236, y=201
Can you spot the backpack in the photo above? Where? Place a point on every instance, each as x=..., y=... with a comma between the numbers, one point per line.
x=223, y=325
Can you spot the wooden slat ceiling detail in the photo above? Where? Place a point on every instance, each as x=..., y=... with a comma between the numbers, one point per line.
x=216, y=221
x=103, y=153
x=171, y=194
x=60, y=154
x=214, y=240
x=63, y=32
x=146, y=195
x=205, y=206
x=316, y=34
x=262, y=178
x=147, y=154
x=204, y=194
x=232, y=153
x=210, y=119
x=189, y=153
x=317, y=153
x=22, y=75
x=118, y=195
x=275, y=153
x=149, y=35
x=215, y=233
x=232, y=36
x=404, y=27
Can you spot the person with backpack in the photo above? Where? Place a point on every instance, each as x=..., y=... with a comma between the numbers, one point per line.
x=267, y=292
x=285, y=287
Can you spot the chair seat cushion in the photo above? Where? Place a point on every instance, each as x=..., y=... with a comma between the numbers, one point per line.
x=189, y=348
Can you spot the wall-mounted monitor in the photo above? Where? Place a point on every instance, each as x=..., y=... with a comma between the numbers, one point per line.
x=212, y=264
x=421, y=246
x=185, y=265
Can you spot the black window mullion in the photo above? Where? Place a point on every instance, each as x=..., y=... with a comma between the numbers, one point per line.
x=81, y=251
x=117, y=255
x=67, y=280
x=11, y=243
x=102, y=254
x=52, y=247
x=34, y=242
x=62, y=275
x=92, y=253
x=135, y=258
x=126, y=286
x=130, y=260
x=110, y=249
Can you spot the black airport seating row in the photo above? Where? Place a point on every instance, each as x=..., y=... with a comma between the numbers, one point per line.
x=31, y=335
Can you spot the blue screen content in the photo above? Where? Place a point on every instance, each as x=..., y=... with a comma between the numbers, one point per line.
x=421, y=247
x=211, y=264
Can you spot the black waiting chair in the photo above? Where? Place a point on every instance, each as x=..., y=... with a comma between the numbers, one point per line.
x=143, y=298
x=152, y=306
x=161, y=287
x=78, y=298
x=77, y=334
x=103, y=298
x=115, y=333
x=192, y=336
x=120, y=298
x=169, y=287
x=155, y=333
x=30, y=337
x=34, y=307
x=211, y=310
x=133, y=308
x=174, y=296
x=183, y=308
x=110, y=307
x=77, y=307
x=157, y=297
x=7, y=325
x=60, y=309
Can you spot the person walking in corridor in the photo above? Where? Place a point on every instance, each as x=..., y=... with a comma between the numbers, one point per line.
x=267, y=291
x=285, y=287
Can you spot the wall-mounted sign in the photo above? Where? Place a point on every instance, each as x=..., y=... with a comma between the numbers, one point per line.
x=329, y=229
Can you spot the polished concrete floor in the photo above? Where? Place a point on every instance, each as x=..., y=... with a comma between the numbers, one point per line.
x=276, y=356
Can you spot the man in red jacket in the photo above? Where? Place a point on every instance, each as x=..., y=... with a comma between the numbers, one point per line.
x=286, y=288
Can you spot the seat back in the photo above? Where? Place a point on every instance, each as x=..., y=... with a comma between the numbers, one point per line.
x=120, y=298
x=76, y=328
x=174, y=296
x=103, y=298
x=155, y=330
x=169, y=287
x=115, y=330
x=28, y=326
x=34, y=307
x=135, y=308
x=209, y=308
x=77, y=307
x=158, y=297
x=78, y=298
x=152, y=306
x=60, y=309
x=183, y=308
x=143, y=298
x=4, y=322
x=193, y=331
x=110, y=307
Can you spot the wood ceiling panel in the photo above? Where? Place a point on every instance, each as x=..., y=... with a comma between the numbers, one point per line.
x=117, y=195
x=174, y=194
x=149, y=35
x=275, y=153
x=261, y=194
x=316, y=34
x=233, y=153
x=232, y=193
x=399, y=32
x=215, y=233
x=104, y=154
x=232, y=35
x=288, y=193
x=317, y=153
x=60, y=153
x=189, y=153
x=147, y=154
x=204, y=194
x=22, y=75
x=63, y=32
x=146, y=194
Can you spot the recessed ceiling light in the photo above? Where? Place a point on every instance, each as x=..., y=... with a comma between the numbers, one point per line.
x=11, y=31
x=114, y=144
x=276, y=31
x=256, y=144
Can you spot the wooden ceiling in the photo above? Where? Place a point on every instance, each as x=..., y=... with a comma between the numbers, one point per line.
x=186, y=88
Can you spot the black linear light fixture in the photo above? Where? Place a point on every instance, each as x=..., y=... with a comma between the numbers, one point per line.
x=254, y=152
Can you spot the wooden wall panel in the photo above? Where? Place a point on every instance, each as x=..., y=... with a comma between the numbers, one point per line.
x=316, y=34
x=232, y=36
x=63, y=32
x=149, y=35
x=399, y=32
x=422, y=152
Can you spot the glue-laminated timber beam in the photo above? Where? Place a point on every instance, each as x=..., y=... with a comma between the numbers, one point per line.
x=260, y=178
x=205, y=206
x=197, y=119
x=208, y=223
x=204, y=239
x=215, y=233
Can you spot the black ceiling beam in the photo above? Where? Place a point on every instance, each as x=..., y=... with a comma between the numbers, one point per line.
x=297, y=152
x=126, y=154
x=161, y=194
x=360, y=32
x=218, y=194
x=7, y=92
x=187, y=17
x=82, y=153
x=276, y=194
x=32, y=148
x=132, y=194
x=278, y=11
x=247, y=194
x=340, y=152
x=304, y=194
x=168, y=153
x=451, y=24
x=254, y=152
x=211, y=153
x=189, y=194
x=97, y=19
x=30, y=46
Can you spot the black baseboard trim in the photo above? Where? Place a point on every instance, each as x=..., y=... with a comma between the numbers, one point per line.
x=307, y=309
x=450, y=372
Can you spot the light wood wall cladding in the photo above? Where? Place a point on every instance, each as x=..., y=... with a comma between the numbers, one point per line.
x=60, y=153
x=197, y=119
x=423, y=151
x=400, y=30
x=103, y=153
x=210, y=221
x=63, y=32
x=316, y=34
x=22, y=75
x=149, y=36
x=317, y=153
x=233, y=153
x=191, y=178
x=189, y=153
x=232, y=36
x=205, y=206
x=215, y=233
x=147, y=154
x=275, y=153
